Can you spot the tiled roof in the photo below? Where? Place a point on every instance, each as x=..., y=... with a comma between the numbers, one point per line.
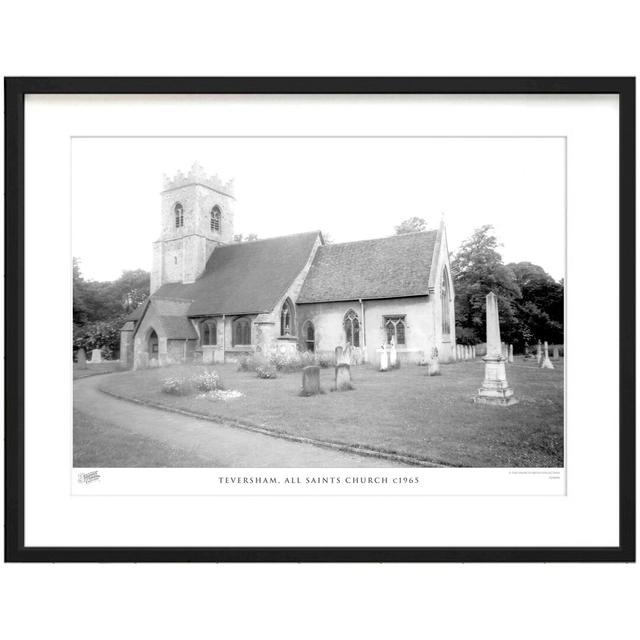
x=247, y=277
x=392, y=267
x=177, y=327
x=136, y=314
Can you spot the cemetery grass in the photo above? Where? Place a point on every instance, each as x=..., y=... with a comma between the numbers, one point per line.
x=99, y=443
x=95, y=369
x=401, y=411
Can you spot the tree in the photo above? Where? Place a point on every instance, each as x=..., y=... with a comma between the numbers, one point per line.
x=131, y=289
x=95, y=301
x=477, y=269
x=541, y=304
x=410, y=225
x=530, y=301
x=80, y=305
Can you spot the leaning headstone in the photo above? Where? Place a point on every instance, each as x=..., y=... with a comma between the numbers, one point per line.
x=556, y=353
x=81, y=357
x=495, y=388
x=510, y=353
x=343, y=377
x=96, y=355
x=384, y=358
x=311, y=380
x=393, y=355
x=545, y=363
x=338, y=355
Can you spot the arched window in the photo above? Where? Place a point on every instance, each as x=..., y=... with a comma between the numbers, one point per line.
x=445, y=303
x=215, y=217
x=152, y=344
x=352, y=328
x=179, y=213
x=395, y=328
x=242, y=332
x=309, y=335
x=286, y=318
x=209, y=332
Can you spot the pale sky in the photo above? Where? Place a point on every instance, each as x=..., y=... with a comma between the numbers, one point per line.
x=352, y=188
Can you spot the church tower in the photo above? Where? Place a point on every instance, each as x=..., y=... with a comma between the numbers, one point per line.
x=197, y=216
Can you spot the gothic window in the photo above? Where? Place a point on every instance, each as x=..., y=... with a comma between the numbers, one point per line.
x=445, y=302
x=209, y=333
x=309, y=335
x=242, y=332
x=286, y=318
x=352, y=328
x=179, y=213
x=214, y=221
x=395, y=327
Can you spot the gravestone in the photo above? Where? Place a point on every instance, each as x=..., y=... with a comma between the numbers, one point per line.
x=393, y=355
x=433, y=366
x=545, y=363
x=96, y=355
x=511, y=353
x=384, y=358
x=468, y=352
x=346, y=354
x=539, y=352
x=473, y=352
x=338, y=355
x=556, y=353
x=343, y=377
x=311, y=380
x=458, y=352
x=82, y=359
x=495, y=388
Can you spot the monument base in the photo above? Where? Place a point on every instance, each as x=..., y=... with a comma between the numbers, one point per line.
x=502, y=398
x=495, y=388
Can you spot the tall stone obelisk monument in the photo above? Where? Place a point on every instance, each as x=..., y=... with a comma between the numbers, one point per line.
x=495, y=388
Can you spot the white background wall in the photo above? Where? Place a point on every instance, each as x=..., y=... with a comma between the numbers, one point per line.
x=349, y=601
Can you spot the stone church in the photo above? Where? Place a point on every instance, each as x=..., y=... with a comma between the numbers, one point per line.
x=213, y=300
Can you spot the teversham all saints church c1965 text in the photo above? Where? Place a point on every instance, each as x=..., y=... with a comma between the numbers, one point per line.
x=213, y=300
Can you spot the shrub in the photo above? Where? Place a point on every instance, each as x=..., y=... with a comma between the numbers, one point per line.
x=207, y=381
x=266, y=372
x=284, y=363
x=185, y=385
x=177, y=386
x=324, y=361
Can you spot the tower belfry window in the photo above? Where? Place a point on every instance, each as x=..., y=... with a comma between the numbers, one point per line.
x=215, y=217
x=179, y=213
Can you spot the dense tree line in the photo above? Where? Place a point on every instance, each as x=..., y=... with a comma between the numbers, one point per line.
x=530, y=301
x=99, y=308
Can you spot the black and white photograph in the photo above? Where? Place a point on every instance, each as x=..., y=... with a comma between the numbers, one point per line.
x=318, y=301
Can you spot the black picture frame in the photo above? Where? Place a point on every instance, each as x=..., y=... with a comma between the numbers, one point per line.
x=15, y=91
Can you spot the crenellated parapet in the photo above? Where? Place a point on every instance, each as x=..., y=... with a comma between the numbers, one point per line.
x=197, y=176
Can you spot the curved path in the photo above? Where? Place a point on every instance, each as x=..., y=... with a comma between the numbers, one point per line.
x=219, y=445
